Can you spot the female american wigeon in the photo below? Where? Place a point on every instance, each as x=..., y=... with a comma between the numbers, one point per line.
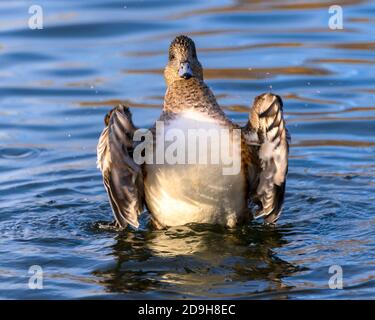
x=177, y=194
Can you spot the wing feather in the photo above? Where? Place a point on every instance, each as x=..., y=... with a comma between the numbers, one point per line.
x=122, y=177
x=269, y=143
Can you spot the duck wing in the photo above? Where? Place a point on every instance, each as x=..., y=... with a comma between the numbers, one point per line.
x=122, y=177
x=268, y=140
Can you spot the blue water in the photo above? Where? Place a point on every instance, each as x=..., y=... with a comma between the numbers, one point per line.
x=56, y=84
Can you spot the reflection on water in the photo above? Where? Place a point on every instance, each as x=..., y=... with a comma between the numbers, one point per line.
x=56, y=85
x=202, y=259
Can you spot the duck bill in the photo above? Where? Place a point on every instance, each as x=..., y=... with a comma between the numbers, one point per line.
x=185, y=71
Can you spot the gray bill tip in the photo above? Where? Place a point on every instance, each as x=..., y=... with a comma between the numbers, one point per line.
x=185, y=71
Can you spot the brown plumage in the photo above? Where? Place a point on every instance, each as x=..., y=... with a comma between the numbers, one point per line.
x=122, y=177
x=175, y=194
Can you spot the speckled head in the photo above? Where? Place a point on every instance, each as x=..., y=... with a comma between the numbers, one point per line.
x=183, y=62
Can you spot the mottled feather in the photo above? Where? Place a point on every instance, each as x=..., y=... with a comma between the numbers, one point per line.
x=268, y=140
x=122, y=177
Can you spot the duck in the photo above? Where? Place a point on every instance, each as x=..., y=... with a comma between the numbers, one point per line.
x=227, y=193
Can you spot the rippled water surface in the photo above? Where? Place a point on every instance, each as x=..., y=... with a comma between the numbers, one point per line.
x=56, y=85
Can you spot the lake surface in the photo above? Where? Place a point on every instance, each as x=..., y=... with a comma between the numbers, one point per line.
x=56, y=84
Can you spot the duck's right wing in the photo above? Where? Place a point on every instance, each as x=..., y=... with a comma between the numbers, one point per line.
x=268, y=139
x=122, y=177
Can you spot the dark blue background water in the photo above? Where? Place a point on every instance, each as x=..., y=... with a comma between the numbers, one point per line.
x=56, y=84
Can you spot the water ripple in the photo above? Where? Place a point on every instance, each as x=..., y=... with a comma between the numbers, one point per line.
x=18, y=153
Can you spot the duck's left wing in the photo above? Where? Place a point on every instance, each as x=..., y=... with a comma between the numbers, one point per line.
x=122, y=177
x=268, y=140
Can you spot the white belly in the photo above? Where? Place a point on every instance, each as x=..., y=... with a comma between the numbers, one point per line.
x=178, y=194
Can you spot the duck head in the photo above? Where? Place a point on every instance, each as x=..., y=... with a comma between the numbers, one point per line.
x=183, y=62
